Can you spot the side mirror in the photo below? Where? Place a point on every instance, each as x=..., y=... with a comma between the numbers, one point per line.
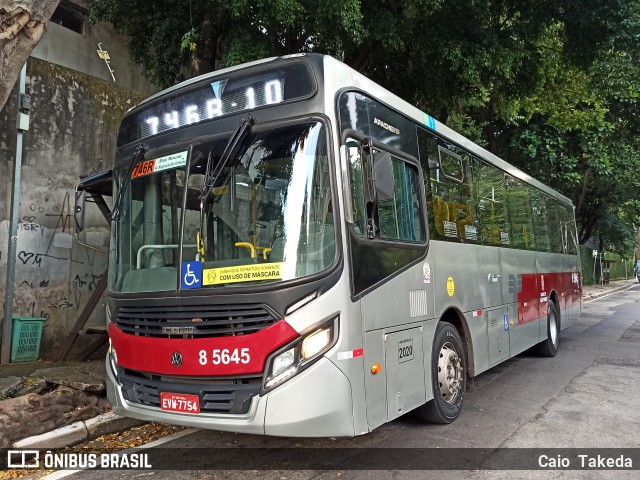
x=78, y=212
x=383, y=175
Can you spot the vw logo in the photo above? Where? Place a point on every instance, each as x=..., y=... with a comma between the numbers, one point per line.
x=176, y=359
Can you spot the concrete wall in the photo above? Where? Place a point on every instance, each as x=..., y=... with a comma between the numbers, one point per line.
x=76, y=111
x=74, y=122
x=75, y=51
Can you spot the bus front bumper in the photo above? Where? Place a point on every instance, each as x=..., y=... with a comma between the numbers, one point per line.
x=315, y=403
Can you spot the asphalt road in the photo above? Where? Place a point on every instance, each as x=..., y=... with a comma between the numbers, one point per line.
x=586, y=397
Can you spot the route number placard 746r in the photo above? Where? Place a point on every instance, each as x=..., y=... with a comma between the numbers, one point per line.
x=144, y=168
x=168, y=162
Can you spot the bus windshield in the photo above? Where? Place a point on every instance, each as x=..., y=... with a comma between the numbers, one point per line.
x=268, y=217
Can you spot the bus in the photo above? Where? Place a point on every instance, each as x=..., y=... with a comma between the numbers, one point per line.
x=296, y=251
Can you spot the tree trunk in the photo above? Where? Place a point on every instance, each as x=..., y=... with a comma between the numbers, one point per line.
x=34, y=414
x=203, y=58
x=361, y=58
x=22, y=23
x=582, y=193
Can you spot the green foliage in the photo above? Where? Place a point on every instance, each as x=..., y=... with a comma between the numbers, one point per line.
x=621, y=266
x=190, y=41
x=552, y=86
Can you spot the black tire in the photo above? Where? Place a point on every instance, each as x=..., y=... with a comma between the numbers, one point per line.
x=447, y=355
x=549, y=346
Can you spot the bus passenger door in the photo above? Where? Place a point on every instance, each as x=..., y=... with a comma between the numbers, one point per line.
x=387, y=245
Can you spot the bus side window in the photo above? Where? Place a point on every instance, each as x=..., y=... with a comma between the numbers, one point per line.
x=448, y=171
x=555, y=224
x=490, y=194
x=540, y=221
x=569, y=235
x=400, y=217
x=520, y=214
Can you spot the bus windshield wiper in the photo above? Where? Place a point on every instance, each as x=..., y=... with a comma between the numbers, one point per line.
x=212, y=174
x=137, y=156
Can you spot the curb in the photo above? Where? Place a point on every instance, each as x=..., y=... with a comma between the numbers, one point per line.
x=607, y=292
x=79, y=432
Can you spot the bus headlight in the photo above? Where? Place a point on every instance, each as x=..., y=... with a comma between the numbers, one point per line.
x=283, y=361
x=300, y=354
x=316, y=342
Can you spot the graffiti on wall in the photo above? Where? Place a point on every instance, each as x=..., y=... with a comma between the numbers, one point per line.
x=55, y=276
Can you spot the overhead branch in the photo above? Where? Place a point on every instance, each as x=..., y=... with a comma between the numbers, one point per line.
x=361, y=58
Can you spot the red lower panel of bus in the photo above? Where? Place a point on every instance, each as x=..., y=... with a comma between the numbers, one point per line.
x=533, y=299
x=242, y=354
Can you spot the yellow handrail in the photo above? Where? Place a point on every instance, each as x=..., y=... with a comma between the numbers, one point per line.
x=249, y=246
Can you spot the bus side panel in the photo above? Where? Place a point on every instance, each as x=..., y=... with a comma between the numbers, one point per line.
x=556, y=273
x=550, y=278
x=465, y=276
x=390, y=304
x=399, y=305
x=404, y=362
x=468, y=278
x=375, y=385
x=521, y=295
x=573, y=290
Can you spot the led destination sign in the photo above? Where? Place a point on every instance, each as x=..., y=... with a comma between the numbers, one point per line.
x=218, y=97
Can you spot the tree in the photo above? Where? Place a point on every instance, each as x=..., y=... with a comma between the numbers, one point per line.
x=578, y=130
x=552, y=86
x=22, y=23
x=203, y=35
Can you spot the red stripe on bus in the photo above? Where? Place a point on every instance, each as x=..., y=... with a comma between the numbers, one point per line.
x=243, y=354
x=533, y=299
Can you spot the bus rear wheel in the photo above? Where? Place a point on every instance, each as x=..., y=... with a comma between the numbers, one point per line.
x=448, y=377
x=549, y=347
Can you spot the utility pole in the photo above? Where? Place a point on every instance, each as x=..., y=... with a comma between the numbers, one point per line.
x=22, y=125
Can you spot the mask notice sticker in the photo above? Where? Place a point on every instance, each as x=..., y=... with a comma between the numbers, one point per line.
x=243, y=273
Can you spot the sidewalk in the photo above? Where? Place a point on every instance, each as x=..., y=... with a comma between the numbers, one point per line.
x=89, y=376
x=591, y=292
x=46, y=404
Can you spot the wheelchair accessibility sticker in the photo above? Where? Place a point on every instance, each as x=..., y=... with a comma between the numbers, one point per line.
x=191, y=275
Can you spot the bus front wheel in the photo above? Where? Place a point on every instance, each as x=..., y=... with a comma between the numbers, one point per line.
x=448, y=377
x=549, y=347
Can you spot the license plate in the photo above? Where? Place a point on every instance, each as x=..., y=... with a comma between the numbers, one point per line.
x=179, y=402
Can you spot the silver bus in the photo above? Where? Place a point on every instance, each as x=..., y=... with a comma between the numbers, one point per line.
x=297, y=251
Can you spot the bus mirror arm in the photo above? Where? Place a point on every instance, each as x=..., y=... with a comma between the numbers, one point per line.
x=346, y=185
x=371, y=200
x=379, y=168
x=372, y=220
